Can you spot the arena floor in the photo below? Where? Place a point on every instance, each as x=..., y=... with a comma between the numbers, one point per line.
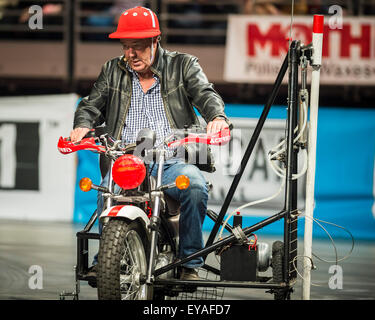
x=52, y=247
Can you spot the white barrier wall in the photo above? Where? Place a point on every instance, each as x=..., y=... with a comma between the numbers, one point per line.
x=36, y=181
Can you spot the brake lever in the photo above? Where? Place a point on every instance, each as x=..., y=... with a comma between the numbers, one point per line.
x=65, y=145
x=90, y=134
x=219, y=138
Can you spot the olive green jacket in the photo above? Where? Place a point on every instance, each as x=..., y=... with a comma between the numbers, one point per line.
x=183, y=85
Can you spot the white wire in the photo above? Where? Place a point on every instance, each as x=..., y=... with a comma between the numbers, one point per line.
x=251, y=204
x=304, y=124
x=304, y=103
x=333, y=244
x=295, y=130
x=301, y=276
x=279, y=171
x=296, y=176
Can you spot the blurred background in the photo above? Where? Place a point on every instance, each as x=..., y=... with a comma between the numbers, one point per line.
x=66, y=54
x=51, y=53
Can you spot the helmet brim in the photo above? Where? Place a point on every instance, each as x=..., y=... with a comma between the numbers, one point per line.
x=134, y=35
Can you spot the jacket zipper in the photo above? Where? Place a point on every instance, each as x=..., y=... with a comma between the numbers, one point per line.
x=126, y=111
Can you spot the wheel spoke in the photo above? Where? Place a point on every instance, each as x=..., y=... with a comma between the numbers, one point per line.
x=136, y=262
x=130, y=252
x=130, y=259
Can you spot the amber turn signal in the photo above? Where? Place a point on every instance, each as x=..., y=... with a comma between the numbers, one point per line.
x=182, y=182
x=85, y=184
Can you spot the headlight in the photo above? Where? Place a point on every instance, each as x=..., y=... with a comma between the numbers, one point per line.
x=128, y=171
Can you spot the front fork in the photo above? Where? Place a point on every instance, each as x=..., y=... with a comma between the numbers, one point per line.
x=155, y=220
x=109, y=200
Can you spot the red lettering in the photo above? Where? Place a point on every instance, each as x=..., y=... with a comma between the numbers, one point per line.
x=363, y=41
x=347, y=40
x=302, y=32
x=326, y=43
x=274, y=36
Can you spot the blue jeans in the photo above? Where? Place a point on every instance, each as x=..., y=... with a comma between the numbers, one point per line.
x=193, y=210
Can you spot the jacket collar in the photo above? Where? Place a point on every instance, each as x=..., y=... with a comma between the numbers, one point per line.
x=157, y=66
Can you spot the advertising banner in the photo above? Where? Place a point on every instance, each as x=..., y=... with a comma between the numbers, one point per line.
x=36, y=181
x=257, y=45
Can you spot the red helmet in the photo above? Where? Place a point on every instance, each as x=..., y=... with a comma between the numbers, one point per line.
x=137, y=23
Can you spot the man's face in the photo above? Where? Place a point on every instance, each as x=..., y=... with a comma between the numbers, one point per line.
x=138, y=53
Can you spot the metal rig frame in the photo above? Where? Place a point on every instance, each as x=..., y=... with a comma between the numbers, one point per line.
x=296, y=57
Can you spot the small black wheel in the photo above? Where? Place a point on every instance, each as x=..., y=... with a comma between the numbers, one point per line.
x=278, y=269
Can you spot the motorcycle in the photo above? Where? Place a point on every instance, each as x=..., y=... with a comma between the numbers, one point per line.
x=140, y=222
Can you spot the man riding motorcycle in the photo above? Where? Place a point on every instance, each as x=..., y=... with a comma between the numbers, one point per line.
x=150, y=87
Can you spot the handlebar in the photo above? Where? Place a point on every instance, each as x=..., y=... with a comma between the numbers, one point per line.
x=65, y=146
x=217, y=139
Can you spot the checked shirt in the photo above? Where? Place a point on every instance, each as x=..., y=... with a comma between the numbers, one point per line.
x=146, y=111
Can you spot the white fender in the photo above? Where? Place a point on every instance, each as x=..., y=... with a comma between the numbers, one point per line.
x=125, y=211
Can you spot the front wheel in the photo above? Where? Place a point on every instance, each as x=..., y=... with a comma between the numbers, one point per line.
x=122, y=260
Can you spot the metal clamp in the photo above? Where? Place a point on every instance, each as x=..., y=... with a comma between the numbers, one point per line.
x=240, y=235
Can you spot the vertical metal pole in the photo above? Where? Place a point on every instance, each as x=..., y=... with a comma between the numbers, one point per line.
x=311, y=160
x=291, y=168
x=248, y=151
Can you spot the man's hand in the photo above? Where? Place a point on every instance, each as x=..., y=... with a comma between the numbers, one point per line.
x=78, y=133
x=216, y=125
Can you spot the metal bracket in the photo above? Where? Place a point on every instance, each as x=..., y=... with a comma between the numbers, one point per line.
x=75, y=293
x=239, y=234
x=154, y=223
x=295, y=213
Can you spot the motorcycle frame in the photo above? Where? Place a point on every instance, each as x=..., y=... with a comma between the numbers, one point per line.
x=289, y=212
